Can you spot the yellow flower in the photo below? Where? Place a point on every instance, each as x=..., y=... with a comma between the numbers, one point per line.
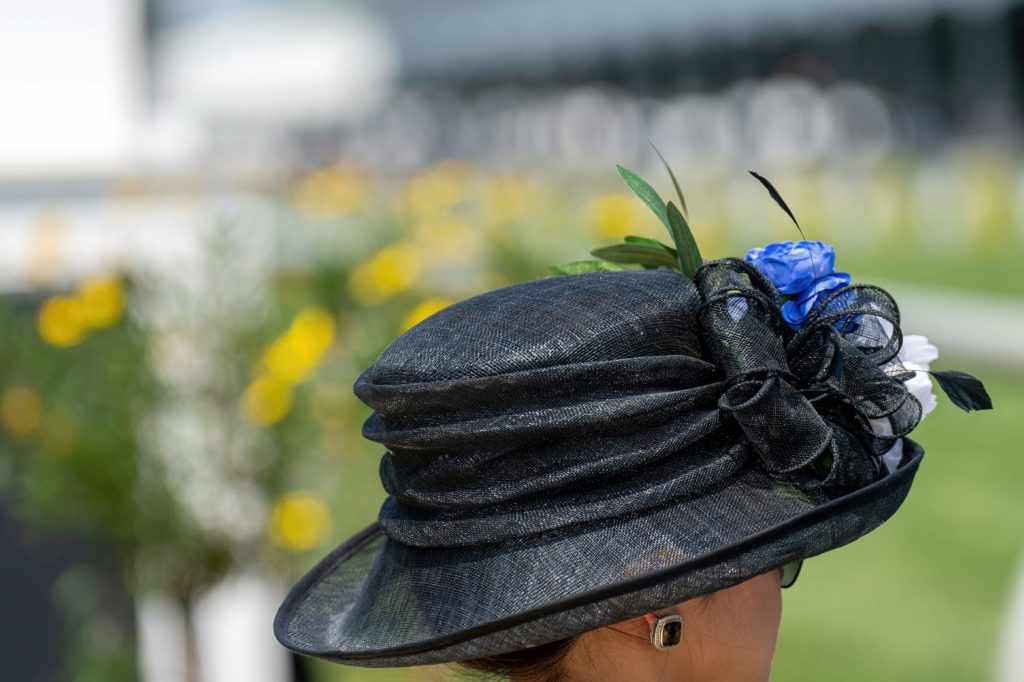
x=504, y=198
x=391, y=271
x=615, y=215
x=101, y=301
x=283, y=363
x=332, y=192
x=434, y=192
x=266, y=400
x=450, y=240
x=425, y=310
x=294, y=355
x=20, y=410
x=299, y=521
x=313, y=330
x=60, y=321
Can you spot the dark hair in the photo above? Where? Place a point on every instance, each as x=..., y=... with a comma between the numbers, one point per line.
x=543, y=661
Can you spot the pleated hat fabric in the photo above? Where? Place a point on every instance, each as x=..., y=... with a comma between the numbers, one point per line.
x=571, y=452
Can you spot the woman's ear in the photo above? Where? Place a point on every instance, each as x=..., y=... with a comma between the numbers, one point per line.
x=637, y=628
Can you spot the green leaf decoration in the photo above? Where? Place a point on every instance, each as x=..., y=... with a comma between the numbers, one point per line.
x=646, y=194
x=640, y=254
x=966, y=391
x=689, y=255
x=578, y=267
x=778, y=199
x=690, y=259
x=675, y=183
x=633, y=239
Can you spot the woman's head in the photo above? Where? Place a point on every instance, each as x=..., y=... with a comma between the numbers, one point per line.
x=727, y=635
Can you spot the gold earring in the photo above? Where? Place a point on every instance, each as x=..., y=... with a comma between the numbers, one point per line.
x=667, y=632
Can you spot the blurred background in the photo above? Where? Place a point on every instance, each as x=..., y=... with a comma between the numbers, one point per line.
x=215, y=213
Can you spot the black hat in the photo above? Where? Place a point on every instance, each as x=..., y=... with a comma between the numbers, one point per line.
x=571, y=452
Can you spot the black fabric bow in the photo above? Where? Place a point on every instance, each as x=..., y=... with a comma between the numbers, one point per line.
x=807, y=398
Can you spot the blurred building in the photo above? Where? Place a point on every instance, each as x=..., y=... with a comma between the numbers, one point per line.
x=945, y=68
x=238, y=86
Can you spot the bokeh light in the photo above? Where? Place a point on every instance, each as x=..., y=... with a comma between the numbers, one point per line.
x=21, y=410
x=299, y=521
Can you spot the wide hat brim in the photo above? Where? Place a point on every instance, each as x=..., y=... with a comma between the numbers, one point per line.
x=374, y=602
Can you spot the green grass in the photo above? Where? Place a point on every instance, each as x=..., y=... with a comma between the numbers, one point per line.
x=923, y=597
x=996, y=273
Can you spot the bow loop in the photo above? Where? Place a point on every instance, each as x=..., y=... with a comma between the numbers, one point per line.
x=864, y=315
x=778, y=420
x=741, y=318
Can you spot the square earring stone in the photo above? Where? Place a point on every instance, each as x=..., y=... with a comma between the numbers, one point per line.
x=667, y=632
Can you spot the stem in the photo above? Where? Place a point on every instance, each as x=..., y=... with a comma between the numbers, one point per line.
x=191, y=643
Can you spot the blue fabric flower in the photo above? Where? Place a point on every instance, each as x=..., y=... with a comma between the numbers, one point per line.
x=794, y=266
x=803, y=272
x=795, y=311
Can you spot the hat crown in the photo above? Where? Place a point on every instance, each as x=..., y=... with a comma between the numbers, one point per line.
x=570, y=400
x=548, y=322
x=560, y=391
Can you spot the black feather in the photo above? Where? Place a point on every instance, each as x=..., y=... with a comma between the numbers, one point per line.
x=966, y=392
x=778, y=199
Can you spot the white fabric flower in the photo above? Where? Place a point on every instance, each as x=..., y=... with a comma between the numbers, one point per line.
x=918, y=354
x=915, y=354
